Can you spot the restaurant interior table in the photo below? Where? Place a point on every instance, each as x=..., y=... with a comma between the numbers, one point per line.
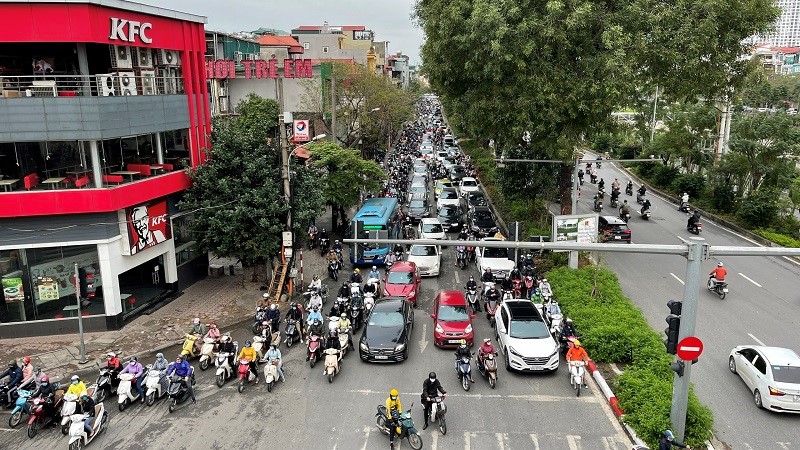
x=69, y=308
x=129, y=173
x=8, y=183
x=53, y=182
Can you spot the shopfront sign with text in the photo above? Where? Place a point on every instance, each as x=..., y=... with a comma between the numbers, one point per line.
x=148, y=225
x=259, y=68
x=130, y=31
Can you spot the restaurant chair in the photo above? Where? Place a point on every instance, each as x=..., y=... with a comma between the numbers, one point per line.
x=82, y=181
x=111, y=179
x=143, y=169
x=164, y=167
x=30, y=181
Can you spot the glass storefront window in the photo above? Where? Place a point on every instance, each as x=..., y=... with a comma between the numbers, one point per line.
x=39, y=283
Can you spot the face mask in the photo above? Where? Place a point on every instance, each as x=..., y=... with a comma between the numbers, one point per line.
x=44, y=384
x=394, y=398
x=432, y=379
x=75, y=382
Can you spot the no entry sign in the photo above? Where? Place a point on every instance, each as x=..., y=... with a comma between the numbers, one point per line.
x=690, y=348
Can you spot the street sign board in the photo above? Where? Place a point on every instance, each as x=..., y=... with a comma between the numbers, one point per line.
x=689, y=348
x=580, y=228
x=301, y=131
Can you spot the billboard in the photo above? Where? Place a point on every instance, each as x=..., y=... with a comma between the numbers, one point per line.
x=300, y=131
x=580, y=228
x=148, y=225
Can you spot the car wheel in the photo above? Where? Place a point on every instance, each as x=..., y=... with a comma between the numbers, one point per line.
x=757, y=399
x=732, y=364
x=508, y=362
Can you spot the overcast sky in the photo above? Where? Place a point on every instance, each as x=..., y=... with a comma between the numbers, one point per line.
x=389, y=19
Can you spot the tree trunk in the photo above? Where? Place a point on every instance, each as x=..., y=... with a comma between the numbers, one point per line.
x=334, y=222
x=565, y=188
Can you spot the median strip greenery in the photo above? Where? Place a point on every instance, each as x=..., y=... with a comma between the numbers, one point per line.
x=614, y=330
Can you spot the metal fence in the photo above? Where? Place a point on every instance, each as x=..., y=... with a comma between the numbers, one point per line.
x=140, y=82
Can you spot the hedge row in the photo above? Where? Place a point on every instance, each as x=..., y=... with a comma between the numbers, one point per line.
x=613, y=329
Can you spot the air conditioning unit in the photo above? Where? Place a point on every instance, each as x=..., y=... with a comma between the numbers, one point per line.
x=237, y=56
x=223, y=104
x=167, y=81
x=127, y=84
x=106, y=84
x=144, y=57
x=169, y=58
x=148, y=78
x=121, y=57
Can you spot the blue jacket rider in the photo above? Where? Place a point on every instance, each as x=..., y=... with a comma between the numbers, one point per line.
x=183, y=369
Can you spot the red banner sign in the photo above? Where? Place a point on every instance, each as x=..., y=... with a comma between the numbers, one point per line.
x=148, y=225
x=259, y=68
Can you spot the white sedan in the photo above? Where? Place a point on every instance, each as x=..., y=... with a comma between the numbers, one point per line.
x=431, y=228
x=772, y=374
x=467, y=185
x=428, y=259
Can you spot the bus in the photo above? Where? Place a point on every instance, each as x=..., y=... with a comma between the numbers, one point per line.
x=377, y=219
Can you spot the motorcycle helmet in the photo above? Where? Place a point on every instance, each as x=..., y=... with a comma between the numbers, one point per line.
x=111, y=355
x=196, y=321
x=273, y=306
x=334, y=333
x=668, y=434
x=294, y=305
x=315, y=308
x=85, y=397
x=45, y=380
x=317, y=322
x=336, y=241
x=471, y=278
x=358, y=271
x=225, y=338
x=248, y=343
x=463, y=342
x=487, y=341
x=568, y=320
x=75, y=379
x=316, y=277
x=26, y=360
x=212, y=325
x=374, y=267
x=273, y=346
x=432, y=376
x=719, y=264
x=265, y=295
x=576, y=343
x=393, y=394
x=133, y=359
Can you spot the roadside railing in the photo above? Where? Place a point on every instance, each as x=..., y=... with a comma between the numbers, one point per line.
x=141, y=82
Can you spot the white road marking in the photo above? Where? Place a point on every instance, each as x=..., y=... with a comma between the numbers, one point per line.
x=458, y=280
x=367, y=430
x=466, y=440
x=529, y=397
x=784, y=445
x=535, y=440
x=10, y=430
x=574, y=442
x=423, y=342
x=501, y=444
x=676, y=277
x=757, y=340
x=434, y=440
x=608, y=443
x=750, y=279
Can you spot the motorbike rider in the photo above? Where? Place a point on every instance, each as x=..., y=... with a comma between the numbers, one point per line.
x=625, y=208
x=225, y=346
x=614, y=195
x=274, y=354
x=248, y=353
x=615, y=185
x=568, y=329
x=183, y=369
x=316, y=283
x=487, y=276
x=693, y=219
x=134, y=367
x=198, y=328
x=316, y=329
x=76, y=386
x=580, y=175
x=112, y=362
x=314, y=315
x=333, y=341
x=668, y=441
x=355, y=277
x=463, y=350
x=486, y=349
x=472, y=284
x=597, y=201
x=629, y=186
x=263, y=302
x=645, y=205
x=718, y=274
x=213, y=332
x=684, y=200
x=374, y=273
x=273, y=316
x=464, y=234
x=393, y=409
x=161, y=363
x=332, y=256
x=87, y=407
x=578, y=353
x=515, y=274
x=460, y=248
x=48, y=392
x=545, y=289
x=312, y=232
x=336, y=247
x=344, y=324
x=642, y=191
x=295, y=314
x=371, y=287
x=601, y=184
x=431, y=388
x=28, y=377
x=391, y=258
x=344, y=291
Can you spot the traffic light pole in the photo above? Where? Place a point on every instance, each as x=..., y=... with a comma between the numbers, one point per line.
x=691, y=295
x=83, y=359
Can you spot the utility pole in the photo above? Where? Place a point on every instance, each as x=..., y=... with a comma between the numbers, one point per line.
x=287, y=192
x=653, y=125
x=83, y=359
x=573, y=255
x=334, y=137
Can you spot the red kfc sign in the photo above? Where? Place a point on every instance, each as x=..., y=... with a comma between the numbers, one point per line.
x=148, y=225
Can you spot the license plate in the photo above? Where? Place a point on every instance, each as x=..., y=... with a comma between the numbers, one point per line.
x=725, y=290
x=368, y=258
x=617, y=237
x=381, y=357
x=454, y=341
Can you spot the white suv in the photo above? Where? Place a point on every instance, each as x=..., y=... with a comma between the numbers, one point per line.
x=524, y=338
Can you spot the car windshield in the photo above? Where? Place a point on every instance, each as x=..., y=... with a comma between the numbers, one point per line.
x=448, y=212
x=386, y=319
x=490, y=252
x=449, y=313
x=418, y=190
x=448, y=195
x=786, y=374
x=423, y=250
x=400, y=278
x=444, y=184
x=528, y=329
x=468, y=183
x=417, y=204
x=477, y=199
x=432, y=228
x=483, y=216
x=426, y=151
x=419, y=169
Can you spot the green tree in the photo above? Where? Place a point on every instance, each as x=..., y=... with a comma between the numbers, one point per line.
x=344, y=176
x=237, y=195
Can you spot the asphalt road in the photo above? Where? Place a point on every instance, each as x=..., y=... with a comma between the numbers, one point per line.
x=538, y=411
x=761, y=309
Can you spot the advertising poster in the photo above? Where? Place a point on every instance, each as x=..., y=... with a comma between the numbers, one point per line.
x=12, y=290
x=301, y=131
x=148, y=225
x=62, y=273
x=575, y=228
x=48, y=289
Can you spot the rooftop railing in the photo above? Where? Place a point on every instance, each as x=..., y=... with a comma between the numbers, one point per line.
x=143, y=82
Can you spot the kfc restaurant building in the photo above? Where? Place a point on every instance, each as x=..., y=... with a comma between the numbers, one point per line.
x=103, y=109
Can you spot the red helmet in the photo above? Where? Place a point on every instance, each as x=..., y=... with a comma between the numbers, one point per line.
x=45, y=379
x=26, y=360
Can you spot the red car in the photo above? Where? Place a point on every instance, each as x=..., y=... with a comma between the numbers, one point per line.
x=452, y=320
x=402, y=280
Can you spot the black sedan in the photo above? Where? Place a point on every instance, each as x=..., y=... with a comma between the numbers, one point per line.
x=418, y=209
x=476, y=199
x=457, y=172
x=388, y=331
x=450, y=217
x=481, y=221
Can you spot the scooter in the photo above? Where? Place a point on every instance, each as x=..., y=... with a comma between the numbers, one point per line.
x=106, y=384
x=314, y=349
x=593, y=178
x=629, y=189
x=356, y=310
x=598, y=205
x=21, y=407
x=614, y=202
x=405, y=428
x=576, y=369
x=245, y=374
x=685, y=207
x=369, y=302
x=261, y=316
x=224, y=369
x=491, y=309
x=718, y=287
x=639, y=198
x=312, y=240
x=126, y=392
x=178, y=390
x=324, y=246
x=333, y=269
x=155, y=384
x=461, y=258
x=645, y=214
x=487, y=366
x=189, y=349
x=292, y=333
x=4, y=390
x=207, y=353
x=78, y=438
x=271, y=374
x=695, y=228
x=344, y=336
x=332, y=360
x=625, y=216
x=464, y=370
x=472, y=298
x=438, y=410
x=39, y=418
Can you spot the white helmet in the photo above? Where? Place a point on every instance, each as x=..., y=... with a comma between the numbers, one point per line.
x=719, y=264
x=273, y=306
x=264, y=295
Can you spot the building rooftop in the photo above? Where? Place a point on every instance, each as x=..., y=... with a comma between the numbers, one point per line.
x=281, y=41
x=130, y=6
x=332, y=27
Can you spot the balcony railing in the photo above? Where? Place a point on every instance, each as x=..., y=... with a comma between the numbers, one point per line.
x=142, y=82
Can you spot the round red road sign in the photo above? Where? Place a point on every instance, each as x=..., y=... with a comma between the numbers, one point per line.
x=689, y=348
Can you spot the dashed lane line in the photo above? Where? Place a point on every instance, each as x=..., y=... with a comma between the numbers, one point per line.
x=676, y=277
x=750, y=279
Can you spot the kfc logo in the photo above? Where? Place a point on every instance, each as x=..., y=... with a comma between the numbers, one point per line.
x=148, y=225
x=128, y=30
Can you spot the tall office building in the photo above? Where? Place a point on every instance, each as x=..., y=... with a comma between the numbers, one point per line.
x=787, y=27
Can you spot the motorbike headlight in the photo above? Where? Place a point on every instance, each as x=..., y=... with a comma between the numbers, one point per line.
x=364, y=346
x=439, y=329
x=400, y=347
x=468, y=329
